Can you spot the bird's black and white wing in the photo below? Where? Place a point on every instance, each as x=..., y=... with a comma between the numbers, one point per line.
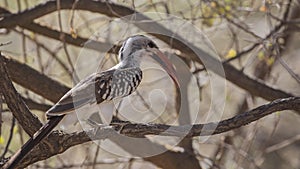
x=98, y=87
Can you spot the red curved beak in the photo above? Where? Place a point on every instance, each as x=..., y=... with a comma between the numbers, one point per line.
x=165, y=64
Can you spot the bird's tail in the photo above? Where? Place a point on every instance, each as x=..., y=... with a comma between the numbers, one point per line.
x=33, y=141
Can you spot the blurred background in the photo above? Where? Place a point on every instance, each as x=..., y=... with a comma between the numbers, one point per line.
x=259, y=38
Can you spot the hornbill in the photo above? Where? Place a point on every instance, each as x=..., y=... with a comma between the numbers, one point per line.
x=117, y=82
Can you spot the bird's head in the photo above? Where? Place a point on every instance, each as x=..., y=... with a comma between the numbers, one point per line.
x=134, y=44
x=135, y=47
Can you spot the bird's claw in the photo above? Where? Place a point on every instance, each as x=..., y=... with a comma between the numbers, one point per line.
x=119, y=126
x=98, y=126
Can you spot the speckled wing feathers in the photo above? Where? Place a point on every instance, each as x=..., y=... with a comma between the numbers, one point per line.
x=98, y=87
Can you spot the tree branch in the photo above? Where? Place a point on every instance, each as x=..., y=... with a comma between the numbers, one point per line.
x=61, y=36
x=60, y=142
x=33, y=105
x=28, y=121
x=237, y=77
x=34, y=80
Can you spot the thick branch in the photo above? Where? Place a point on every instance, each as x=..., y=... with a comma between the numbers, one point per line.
x=140, y=130
x=78, y=41
x=60, y=142
x=34, y=80
x=33, y=105
x=40, y=10
x=61, y=36
x=28, y=121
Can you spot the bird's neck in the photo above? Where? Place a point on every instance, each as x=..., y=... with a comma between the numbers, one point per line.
x=129, y=62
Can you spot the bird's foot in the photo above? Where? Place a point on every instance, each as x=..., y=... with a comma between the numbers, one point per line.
x=119, y=126
x=98, y=126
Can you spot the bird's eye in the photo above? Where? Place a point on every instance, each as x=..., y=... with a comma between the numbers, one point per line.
x=152, y=45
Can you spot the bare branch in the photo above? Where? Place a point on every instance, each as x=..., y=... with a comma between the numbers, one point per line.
x=54, y=34
x=59, y=142
x=35, y=105
x=34, y=80
x=27, y=16
x=28, y=121
x=13, y=123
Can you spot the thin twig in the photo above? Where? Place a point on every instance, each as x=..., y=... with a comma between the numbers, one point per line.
x=270, y=34
x=11, y=133
x=75, y=76
x=95, y=158
x=285, y=65
x=4, y=44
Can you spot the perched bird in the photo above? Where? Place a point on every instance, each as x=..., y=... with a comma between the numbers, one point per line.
x=116, y=82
